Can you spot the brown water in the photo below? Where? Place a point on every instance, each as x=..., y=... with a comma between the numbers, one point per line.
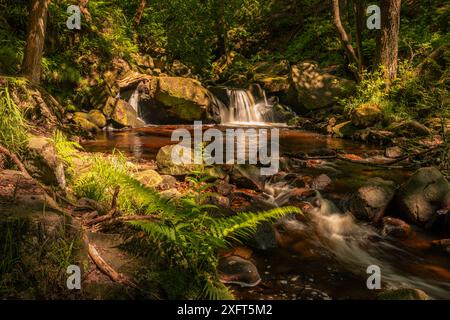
x=321, y=265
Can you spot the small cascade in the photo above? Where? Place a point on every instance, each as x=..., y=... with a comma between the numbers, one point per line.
x=134, y=102
x=246, y=106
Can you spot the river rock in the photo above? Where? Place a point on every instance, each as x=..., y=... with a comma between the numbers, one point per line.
x=288, y=231
x=97, y=117
x=321, y=183
x=311, y=88
x=247, y=176
x=122, y=113
x=236, y=270
x=265, y=237
x=43, y=163
x=366, y=115
x=443, y=244
x=167, y=167
x=224, y=188
x=83, y=123
x=176, y=100
x=149, y=178
x=393, y=152
x=403, y=294
x=371, y=200
x=396, y=228
x=423, y=195
x=282, y=113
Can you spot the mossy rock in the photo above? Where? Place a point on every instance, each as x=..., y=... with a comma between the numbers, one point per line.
x=98, y=118
x=81, y=120
x=167, y=166
x=177, y=100
x=122, y=113
x=149, y=178
x=366, y=115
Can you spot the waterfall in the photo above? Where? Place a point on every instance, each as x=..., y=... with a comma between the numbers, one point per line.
x=246, y=106
x=134, y=102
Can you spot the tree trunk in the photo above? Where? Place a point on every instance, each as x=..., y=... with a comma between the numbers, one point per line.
x=387, y=41
x=84, y=10
x=140, y=12
x=359, y=26
x=344, y=37
x=34, y=47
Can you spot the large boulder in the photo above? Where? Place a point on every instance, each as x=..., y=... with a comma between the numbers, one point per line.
x=176, y=100
x=372, y=199
x=366, y=115
x=43, y=163
x=97, y=117
x=421, y=197
x=122, y=114
x=311, y=88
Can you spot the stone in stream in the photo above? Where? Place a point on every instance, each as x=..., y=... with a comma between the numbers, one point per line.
x=421, y=198
x=247, y=176
x=443, y=244
x=372, y=199
x=82, y=122
x=393, y=152
x=122, y=114
x=396, y=228
x=236, y=270
x=177, y=100
x=321, y=182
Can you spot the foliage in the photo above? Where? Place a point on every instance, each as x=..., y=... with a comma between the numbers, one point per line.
x=105, y=174
x=66, y=150
x=189, y=239
x=13, y=133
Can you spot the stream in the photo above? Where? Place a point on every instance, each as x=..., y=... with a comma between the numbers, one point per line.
x=330, y=258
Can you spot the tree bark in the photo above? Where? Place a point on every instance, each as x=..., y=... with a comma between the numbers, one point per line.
x=359, y=26
x=84, y=10
x=344, y=37
x=387, y=41
x=34, y=47
x=140, y=12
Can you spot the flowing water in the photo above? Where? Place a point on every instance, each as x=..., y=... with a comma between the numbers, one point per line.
x=331, y=255
x=246, y=107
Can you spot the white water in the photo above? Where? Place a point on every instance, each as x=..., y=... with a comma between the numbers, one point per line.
x=244, y=108
x=355, y=245
x=134, y=102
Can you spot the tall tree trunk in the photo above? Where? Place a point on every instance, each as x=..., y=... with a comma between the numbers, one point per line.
x=221, y=30
x=387, y=41
x=140, y=12
x=344, y=37
x=359, y=26
x=34, y=48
